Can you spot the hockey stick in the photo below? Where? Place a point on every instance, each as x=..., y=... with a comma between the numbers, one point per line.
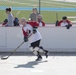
x=3, y=58
x=17, y=13
x=56, y=24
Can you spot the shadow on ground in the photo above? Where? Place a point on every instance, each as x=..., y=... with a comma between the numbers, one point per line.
x=30, y=64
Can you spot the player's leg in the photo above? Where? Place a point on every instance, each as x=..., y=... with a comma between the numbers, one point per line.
x=35, y=49
x=38, y=48
x=39, y=57
x=42, y=50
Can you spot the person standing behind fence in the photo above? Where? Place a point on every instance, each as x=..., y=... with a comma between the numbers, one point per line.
x=10, y=17
x=40, y=21
x=65, y=22
x=34, y=15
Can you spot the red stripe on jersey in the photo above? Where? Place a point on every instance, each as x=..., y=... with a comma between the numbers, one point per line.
x=25, y=33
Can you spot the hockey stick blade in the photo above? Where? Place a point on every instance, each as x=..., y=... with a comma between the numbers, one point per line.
x=12, y=52
x=4, y=58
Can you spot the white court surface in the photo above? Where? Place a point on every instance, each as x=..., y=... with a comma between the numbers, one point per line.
x=25, y=65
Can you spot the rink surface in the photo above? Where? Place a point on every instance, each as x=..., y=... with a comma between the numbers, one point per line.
x=25, y=64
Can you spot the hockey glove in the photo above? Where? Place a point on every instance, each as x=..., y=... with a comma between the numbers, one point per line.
x=25, y=39
x=68, y=26
x=34, y=30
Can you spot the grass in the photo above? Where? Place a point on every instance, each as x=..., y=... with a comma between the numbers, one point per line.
x=48, y=16
x=35, y=3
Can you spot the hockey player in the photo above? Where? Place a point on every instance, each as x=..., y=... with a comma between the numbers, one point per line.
x=30, y=29
x=65, y=22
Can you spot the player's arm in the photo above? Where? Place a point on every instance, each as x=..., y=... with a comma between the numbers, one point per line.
x=59, y=23
x=43, y=24
x=25, y=33
x=69, y=24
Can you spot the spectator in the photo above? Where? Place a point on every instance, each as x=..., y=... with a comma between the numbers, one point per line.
x=65, y=22
x=34, y=15
x=41, y=23
x=10, y=17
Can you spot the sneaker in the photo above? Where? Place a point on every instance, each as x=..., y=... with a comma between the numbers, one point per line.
x=39, y=58
x=46, y=53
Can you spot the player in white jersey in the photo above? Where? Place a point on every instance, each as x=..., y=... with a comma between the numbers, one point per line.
x=30, y=29
x=65, y=22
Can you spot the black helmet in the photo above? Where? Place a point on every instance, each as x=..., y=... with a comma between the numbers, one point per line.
x=64, y=18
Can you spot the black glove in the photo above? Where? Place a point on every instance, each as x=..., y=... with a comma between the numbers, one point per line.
x=68, y=26
x=29, y=31
x=34, y=30
x=25, y=39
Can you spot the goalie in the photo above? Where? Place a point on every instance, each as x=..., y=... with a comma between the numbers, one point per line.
x=30, y=29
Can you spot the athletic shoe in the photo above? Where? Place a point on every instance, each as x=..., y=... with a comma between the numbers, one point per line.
x=39, y=58
x=46, y=53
